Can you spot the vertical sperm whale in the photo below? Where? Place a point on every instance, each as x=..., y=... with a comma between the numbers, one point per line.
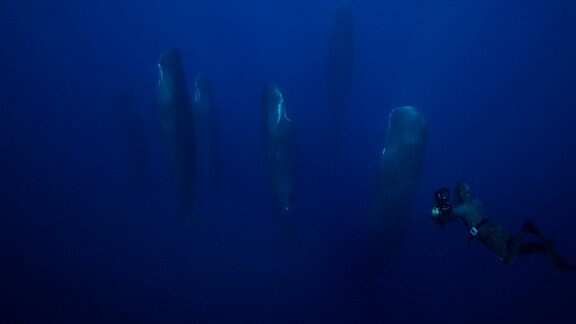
x=279, y=150
x=396, y=184
x=177, y=124
x=339, y=65
x=206, y=116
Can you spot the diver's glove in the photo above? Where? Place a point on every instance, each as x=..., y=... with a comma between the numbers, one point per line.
x=438, y=216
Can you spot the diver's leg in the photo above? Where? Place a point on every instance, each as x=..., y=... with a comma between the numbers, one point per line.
x=546, y=246
x=529, y=227
x=532, y=247
x=512, y=245
x=516, y=247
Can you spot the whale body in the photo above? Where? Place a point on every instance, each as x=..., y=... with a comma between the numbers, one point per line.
x=339, y=65
x=279, y=153
x=278, y=134
x=206, y=115
x=177, y=124
x=396, y=183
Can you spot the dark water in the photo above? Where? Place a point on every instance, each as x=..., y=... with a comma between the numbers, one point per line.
x=89, y=228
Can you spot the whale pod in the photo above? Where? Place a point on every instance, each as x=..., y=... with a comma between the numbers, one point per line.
x=396, y=183
x=177, y=124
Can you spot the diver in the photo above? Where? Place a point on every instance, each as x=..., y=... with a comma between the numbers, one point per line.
x=505, y=246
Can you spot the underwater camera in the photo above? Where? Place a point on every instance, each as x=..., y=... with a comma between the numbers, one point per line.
x=442, y=197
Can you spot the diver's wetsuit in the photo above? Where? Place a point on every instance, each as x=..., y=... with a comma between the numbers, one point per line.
x=496, y=238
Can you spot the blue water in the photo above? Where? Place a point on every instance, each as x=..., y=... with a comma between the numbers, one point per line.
x=90, y=232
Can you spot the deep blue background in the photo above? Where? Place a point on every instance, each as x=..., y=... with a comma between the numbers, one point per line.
x=89, y=232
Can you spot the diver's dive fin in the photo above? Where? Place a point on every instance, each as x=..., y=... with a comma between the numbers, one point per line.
x=560, y=264
x=531, y=247
x=529, y=227
x=556, y=262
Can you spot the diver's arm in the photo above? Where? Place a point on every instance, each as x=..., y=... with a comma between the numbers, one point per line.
x=442, y=211
x=442, y=214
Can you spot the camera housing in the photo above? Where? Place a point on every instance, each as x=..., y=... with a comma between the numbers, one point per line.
x=442, y=201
